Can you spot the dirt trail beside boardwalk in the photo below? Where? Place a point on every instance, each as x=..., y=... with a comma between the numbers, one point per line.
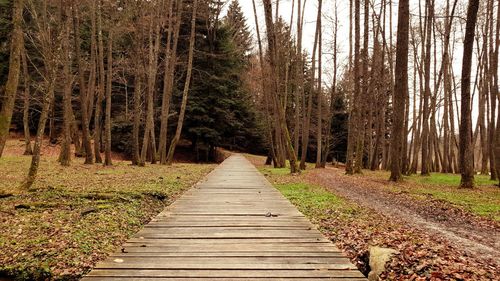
x=477, y=236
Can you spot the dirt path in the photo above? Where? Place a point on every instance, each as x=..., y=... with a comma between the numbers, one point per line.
x=474, y=235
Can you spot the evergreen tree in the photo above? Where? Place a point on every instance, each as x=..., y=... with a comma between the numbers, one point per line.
x=240, y=33
x=5, y=31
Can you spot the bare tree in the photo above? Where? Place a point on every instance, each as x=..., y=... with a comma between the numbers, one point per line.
x=400, y=90
x=466, y=149
x=48, y=46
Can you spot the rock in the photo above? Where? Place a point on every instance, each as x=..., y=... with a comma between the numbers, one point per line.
x=378, y=258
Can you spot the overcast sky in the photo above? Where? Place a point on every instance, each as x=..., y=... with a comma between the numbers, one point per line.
x=285, y=8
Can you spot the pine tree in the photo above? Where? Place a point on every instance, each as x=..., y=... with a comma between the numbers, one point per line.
x=239, y=30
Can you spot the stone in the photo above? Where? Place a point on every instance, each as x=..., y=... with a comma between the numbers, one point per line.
x=378, y=258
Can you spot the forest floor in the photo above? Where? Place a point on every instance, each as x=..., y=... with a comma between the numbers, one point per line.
x=74, y=216
x=439, y=231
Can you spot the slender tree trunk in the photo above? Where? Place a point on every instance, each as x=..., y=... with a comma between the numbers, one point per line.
x=400, y=90
x=427, y=90
x=170, y=60
x=93, y=68
x=496, y=153
x=65, y=153
x=362, y=133
x=308, y=114
x=87, y=144
x=493, y=77
x=136, y=158
x=299, y=93
x=35, y=160
x=265, y=91
x=333, y=92
x=109, y=89
x=466, y=149
x=180, y=121
x=319, y=136
x=47, y=48
x=14, y=71
x=271, y=38
x=102, y=81
x=355, y=114
x=26, y=105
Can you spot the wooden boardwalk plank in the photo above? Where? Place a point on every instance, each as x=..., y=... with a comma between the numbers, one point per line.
x=233, y=225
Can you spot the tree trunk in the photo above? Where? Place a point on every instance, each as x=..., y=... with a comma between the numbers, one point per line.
x=180, y=121
x=308, y=114
x=65, y=153
x=14, y=71
x=87, y=144
x=107, y=123
x=102, y=81
x=137, y=112
x=400, y=90
x=466, y=149
x=170, y=60
x=319, y=136
x=271, y=38
x=26, y=105
x=427, y=89
x=493, y=77
x=355, y=114
x=299, y=93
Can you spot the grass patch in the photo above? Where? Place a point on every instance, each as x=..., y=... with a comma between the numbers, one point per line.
x=74, y=216
x=484, y=200
x=449, y=179
x=313, y=201
x=316, y=202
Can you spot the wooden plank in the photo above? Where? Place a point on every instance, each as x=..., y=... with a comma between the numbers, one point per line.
x=95, y=278
x=231, y=226
x=234, y=254
x=300, y=273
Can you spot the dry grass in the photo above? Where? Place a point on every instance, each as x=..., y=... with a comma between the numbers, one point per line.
x=74, y=216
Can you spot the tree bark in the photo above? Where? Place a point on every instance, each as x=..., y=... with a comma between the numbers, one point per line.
x=466, y=149
x=170, y=62
x=180, y=121
x=319, y=136
x=107, y=123
x=102, y=81
x=14, y=71
x=271, y=38
x=65, y=153
x=400, y=90
x=308, y=114
x=354, y=116
x=84, y=112
x=26, y=105
x=427, y=89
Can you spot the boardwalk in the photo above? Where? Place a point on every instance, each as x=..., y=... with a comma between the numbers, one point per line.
x=232, y=226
